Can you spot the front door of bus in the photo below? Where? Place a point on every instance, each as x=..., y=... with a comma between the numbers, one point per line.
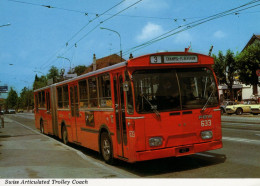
x=121, y=129
x=74, y=107
x=48, y=113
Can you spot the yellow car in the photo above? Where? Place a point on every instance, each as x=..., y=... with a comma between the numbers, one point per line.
x=20, y=110
x=239, y=109
x=255, y=109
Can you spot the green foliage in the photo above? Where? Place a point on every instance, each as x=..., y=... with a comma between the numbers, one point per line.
x=80, y=69
x=53, y=73
x=225, y=68
x=12, y=98
x=39, y=82
x=26, y=98
x=248, y=62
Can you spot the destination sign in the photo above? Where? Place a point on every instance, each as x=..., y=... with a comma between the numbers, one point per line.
x=180, y=59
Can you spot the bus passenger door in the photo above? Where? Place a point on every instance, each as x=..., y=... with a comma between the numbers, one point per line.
x=74, y=107
x=121, y=129
x=48, y=113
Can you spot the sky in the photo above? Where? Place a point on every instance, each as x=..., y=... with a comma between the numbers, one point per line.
x=43, y=33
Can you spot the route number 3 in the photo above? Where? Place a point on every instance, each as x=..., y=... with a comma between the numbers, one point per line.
x=205, y=123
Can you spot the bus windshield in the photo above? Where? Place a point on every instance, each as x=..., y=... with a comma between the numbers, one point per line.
x=174, y=89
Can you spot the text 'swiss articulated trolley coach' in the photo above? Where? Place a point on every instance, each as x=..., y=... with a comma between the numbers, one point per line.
x=153, y=106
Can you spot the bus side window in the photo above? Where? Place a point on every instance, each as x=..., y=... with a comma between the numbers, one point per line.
x=43, y=103
x=65, y=97
x=48, y=101
x=59, y=96
x=93, y=95
x=39, y=99
x=104, y=91
x=83, y=94
x=36, y=102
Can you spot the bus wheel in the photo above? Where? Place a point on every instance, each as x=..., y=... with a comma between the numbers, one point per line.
x=239, y=111
x=106, y=148
x=64, y=135
x=41, y=127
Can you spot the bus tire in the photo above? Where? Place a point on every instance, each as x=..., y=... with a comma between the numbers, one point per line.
x=64, y=135
x=106, y=148
x=41, y=127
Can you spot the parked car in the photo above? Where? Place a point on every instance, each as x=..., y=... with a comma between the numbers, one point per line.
x=1, y=112
x=255, y=109
x=20, y=110
x=239, y=109
x=11, y=111
x=225, y=104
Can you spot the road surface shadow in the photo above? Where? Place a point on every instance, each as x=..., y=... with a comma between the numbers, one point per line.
x=173, y=164
x=160, y=166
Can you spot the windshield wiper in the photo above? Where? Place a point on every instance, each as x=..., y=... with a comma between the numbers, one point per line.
x=153, y=107
x=206, y=104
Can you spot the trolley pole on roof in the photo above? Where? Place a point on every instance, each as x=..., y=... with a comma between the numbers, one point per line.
x=119, y=38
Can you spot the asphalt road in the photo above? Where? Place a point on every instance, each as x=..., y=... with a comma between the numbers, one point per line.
x=25, y=153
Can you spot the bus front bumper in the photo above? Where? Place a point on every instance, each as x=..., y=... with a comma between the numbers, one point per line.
x=178, y=151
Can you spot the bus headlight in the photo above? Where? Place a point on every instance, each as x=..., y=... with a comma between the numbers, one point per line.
x=206, y=134
x=155, y=141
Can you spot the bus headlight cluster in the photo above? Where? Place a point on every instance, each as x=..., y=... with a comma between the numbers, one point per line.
x=206, y=134
x=155, y=141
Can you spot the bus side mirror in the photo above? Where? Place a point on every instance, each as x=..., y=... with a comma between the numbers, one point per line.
x=126, y=86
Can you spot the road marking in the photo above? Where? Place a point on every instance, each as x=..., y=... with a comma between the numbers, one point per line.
x=120, y=173
x=242, y=140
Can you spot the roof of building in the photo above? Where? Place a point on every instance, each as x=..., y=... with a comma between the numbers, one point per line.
x=252, y=40
x=105, y=62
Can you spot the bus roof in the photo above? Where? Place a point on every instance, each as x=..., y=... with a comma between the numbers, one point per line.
x=165, y=58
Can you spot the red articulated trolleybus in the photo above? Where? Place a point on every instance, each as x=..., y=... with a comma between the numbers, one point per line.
x=153, y=106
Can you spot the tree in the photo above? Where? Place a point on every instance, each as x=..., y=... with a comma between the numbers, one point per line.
x=12, y=98
x=225, y=68
x=39, y=82
x=26, y=98
x=248, y=62
x=53, y=73
x=80, y=69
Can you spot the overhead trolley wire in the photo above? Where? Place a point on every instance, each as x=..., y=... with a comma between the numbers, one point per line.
x=99, y=25
x=67, y=42
x=190, y=25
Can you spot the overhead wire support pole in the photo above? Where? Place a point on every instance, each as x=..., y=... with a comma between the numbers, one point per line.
x=119, y=38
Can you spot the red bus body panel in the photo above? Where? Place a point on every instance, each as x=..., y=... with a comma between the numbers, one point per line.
x=180, y=130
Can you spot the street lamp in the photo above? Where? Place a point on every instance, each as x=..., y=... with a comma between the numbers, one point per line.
x=119, y=38
x=66, y=59
x=8, y=24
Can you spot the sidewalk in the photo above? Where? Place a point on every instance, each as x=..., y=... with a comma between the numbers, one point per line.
x=25, y=153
